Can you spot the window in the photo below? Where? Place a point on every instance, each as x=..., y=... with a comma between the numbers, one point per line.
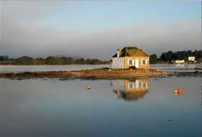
x=144, y=85
x=130, y=62
x=130, y=85
x=137, y=84
x=144, y=62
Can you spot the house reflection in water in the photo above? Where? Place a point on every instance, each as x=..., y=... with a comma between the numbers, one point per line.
x=130, y=89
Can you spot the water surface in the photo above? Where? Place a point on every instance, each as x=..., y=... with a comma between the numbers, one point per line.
x=123, y=108
x=23, y=68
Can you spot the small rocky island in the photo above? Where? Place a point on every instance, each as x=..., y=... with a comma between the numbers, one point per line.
x=100, y=73
x=128, y=63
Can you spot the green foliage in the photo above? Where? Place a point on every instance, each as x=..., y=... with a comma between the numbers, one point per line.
x=53, y=61
x=24, y=61
x=88, y=61
x=39, y=61
x=68, y=61
x=96, y=61
x=153, y=59
x=6, y=62
x=179, y=55
x=199, y=60
x=80, y=61
x=4, y=58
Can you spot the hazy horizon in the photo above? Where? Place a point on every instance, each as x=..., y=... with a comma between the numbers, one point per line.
x=96, y=29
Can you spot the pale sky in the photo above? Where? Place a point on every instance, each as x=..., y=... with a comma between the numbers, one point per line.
x=96, y=29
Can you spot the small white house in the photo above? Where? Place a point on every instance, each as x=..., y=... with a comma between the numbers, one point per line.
x=130, y=56
x=191, y=59
x=179, y=61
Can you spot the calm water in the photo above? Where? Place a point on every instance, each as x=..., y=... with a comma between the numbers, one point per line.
x=178, y=67
x=139, y=107
x=164, y=67
x=23, y=68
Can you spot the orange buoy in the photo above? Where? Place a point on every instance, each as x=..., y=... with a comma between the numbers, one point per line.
x=89, y=87
x=178, y=92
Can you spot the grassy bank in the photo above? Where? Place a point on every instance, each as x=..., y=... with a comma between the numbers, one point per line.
x=101, y=73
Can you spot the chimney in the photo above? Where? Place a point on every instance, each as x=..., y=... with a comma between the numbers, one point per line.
x=118, y=53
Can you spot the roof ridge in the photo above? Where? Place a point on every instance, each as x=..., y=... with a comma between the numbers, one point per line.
x=131, y=51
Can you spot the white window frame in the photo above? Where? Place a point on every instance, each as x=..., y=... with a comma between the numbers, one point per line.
x=129, y=85
x=142, y=62
x=143, y=84
x=137, y=84
x=132, y=62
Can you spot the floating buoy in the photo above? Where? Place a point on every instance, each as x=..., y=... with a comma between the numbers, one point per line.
x=178, y=92
x=89, y=87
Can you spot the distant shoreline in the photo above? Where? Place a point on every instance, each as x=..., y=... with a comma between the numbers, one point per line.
x=50, y=65
x=93, y=64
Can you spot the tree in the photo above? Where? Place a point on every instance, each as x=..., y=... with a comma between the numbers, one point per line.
x=68, y=61
x=25, y=60
x=198, y=60
x=4, y=58
x=53, y=61
x=80, y=61
x=164, y=57
x=39, y=61
x=153, y=59
x=88, y=61
x=96, y=61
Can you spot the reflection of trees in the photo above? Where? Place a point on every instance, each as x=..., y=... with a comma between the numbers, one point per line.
x=130, y=90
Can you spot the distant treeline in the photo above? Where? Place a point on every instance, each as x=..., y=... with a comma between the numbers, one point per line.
x=25, y=60
x=166, y=57
x=179, y=55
